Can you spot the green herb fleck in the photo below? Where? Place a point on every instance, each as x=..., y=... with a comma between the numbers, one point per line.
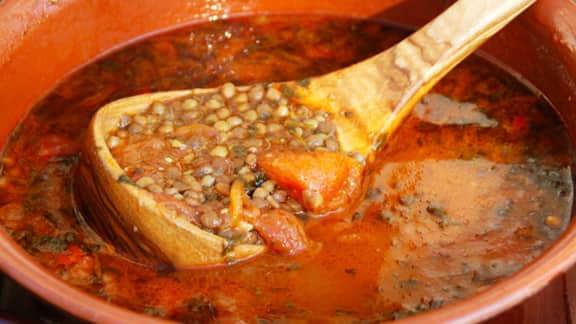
x=304, y=82
x=410, y=283
x=344, y=312
x=288, y=91
x=387, y=217
x=373, y=192
x=126, y=179
x=153, y=311
x=199, y=305
x=293, y=266
x=443, y=219
x=239, y=151
x=52, y=244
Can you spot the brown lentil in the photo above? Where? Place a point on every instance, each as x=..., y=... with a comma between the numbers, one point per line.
x=208, y=140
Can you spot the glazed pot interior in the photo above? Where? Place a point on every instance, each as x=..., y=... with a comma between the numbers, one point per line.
x=43, y=41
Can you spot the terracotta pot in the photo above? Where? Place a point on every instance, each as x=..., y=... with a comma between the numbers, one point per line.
x=41, y=41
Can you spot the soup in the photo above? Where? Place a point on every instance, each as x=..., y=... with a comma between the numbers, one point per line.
x=473, y=186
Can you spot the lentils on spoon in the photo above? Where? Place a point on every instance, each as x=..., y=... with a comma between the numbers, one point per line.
x=196, y=148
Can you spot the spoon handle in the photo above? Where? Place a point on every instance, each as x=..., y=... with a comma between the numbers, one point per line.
x=370, y=99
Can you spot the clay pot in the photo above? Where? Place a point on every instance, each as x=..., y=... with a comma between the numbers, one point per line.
x=42, y=41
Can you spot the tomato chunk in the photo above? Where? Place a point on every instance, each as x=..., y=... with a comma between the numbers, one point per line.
x=71, y=256
x=282, y=231
x=320, y=181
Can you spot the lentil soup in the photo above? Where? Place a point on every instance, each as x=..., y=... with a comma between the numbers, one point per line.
x=474, y=185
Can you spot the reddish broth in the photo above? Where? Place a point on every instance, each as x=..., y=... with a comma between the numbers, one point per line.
x=475, y=184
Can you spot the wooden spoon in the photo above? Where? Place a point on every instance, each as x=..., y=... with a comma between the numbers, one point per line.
x=368, y=101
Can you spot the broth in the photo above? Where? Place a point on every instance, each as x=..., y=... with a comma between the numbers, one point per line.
x=473, y=186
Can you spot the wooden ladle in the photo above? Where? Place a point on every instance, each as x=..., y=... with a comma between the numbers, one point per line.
x=367, y=101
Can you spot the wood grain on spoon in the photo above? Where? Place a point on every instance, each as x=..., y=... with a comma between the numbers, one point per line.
x=367, y=102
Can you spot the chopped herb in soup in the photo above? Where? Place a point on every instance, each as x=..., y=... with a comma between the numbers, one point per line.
x=472, y=187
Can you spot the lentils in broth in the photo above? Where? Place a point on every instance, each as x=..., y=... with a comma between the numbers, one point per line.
x=472, y=187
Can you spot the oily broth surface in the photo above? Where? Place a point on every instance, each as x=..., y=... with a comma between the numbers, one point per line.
x=472, y=187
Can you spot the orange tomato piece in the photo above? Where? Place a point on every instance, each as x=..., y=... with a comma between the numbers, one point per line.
x=71, y=256
x=320, y=181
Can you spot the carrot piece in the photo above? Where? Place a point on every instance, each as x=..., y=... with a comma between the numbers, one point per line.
x=281, y=231
x=320, y=181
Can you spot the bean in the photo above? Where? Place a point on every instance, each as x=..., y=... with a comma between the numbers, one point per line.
x=142, y=120
x=256, y=93
x=273, y=94
x=251, y=116
x=326, y=127
x=206, y=169
x=272, y=202
x=315, y=140
x=264, y=111
x=188, y=158
x=304, y=112
x=243, y=107
x=248, y=177
x=171, y=191
x=239, y=133
x=158, y=108
x=260, y=203
x=211, y=119
x=210, y=219
x=155, y=188
x=220, y=151
x=192, y=182
x=151, y=119
x=234, y=121
x=177, y=144
x=214, y=103
x=280, y=196
x=222, y=188
x=193, y=201
x=173, y=173
x=207, y=181
x=223, y=113
x=181, y=186
x=241, y=98
x=144, y=182
x=228, y=90
x=166, y=129
x=190, y=104
x=260, y=193
x=251, y=160
x=222, y=126
x=311, y=124
x=273, y=128
x=125, y=120
x=282, y=111
x=268, y=185
x=260, y=128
